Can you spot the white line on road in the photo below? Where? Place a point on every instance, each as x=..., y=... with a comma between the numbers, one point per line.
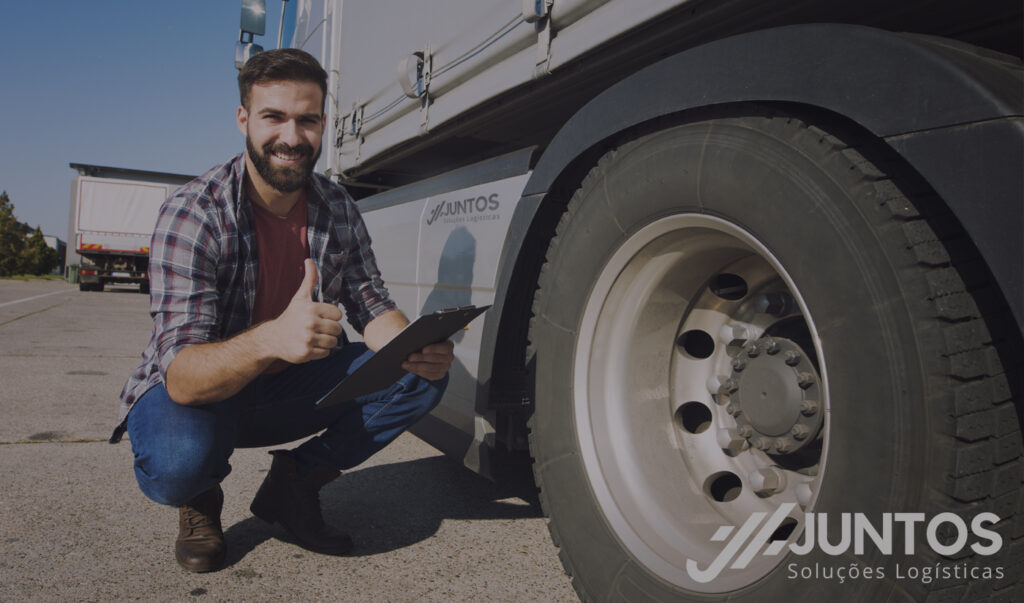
x=25, y=299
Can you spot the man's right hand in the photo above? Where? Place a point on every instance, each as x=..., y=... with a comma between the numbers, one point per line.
x=306, y=330
x=210, y=372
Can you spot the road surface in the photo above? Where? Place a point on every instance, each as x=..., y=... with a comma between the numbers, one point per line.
x=75, y=527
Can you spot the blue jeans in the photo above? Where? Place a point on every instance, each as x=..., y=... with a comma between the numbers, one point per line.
x=182, y=451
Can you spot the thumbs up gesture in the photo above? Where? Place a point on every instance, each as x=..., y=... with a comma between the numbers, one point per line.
x=306, y=330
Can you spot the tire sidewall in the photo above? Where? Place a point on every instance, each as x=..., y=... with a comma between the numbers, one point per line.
x=818, y=222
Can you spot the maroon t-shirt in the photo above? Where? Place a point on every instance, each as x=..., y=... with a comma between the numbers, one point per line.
x=281, y=250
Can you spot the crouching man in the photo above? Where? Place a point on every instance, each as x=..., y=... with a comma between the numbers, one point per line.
x=252, y=266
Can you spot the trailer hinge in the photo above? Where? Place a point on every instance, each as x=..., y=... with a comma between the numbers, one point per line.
x=352, y=125
x=414, y=75
x=538, y=12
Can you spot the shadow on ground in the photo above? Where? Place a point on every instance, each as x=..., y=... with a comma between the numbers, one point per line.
x=386, y=507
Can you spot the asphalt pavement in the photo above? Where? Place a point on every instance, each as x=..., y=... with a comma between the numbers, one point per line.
x=74, y=526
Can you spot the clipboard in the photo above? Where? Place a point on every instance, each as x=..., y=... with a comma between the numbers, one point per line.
x=384, y=368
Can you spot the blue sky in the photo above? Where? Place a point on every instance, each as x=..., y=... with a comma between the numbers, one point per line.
x=142, y=84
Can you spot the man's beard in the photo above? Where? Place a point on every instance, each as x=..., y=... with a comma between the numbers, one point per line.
x=283, y=179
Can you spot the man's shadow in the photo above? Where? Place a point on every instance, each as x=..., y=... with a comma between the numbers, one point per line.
x=388, y=507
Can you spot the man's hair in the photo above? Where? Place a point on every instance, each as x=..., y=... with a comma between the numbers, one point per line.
x=280, y=65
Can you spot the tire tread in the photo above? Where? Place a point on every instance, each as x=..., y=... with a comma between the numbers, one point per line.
x=980, y=443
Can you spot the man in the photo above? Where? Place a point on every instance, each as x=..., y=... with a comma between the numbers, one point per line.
x=248, y=266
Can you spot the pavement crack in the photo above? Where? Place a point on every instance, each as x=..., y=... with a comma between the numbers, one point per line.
x=68, y=441
x=33, y=313
x=117, y=356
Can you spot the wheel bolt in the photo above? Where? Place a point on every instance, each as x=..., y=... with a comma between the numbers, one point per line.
x=804, y=494
x=738, y=364
x=731, y=333
x=809, y=407
x=762, y=443
x=752, y=350
x=805, y=380
x=771, y=347
x=783, y=445
x=766, y=481
x=733, y=409
x=729, y=386
x=731, y=442
x=792, y=357
x=715, y=382
x=776, y=304
x=800, y=432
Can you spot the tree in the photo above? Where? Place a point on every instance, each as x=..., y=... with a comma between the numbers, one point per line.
x=37, y=256
x=21, y=253
x=12, y=238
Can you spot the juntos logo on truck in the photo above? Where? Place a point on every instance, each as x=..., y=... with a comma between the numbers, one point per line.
x=855, y=528
x=473, y=209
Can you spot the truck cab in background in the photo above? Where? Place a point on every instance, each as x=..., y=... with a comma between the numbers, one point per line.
x=747, y=260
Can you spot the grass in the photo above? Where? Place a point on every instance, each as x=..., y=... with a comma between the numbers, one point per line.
x=33, y=277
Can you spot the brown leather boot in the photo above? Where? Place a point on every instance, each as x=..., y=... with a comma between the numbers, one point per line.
x=200, y=545
x=294, y=502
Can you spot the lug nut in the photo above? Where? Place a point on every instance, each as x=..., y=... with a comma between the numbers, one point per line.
x=729, y=386
x=752, y=350
x=733, y=409
x=792, y=357
x=766, y=481
x=731, y=442
x=734, y=332
x=805, y=380
x=771, y=347
x=783, y=445
x=800, y=432
x=745, y=430
x=776, y=304
x=715, y=382
x=762, y=443
x=804, y=494
x=809, y=407
x=738, y=364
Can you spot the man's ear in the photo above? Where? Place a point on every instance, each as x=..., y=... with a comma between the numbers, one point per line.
x=242, y=120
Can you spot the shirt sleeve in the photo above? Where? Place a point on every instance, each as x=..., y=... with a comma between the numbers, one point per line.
x=365, y=296
x=183, y=278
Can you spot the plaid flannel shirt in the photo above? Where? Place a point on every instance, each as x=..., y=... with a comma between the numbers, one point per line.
x=203, y=267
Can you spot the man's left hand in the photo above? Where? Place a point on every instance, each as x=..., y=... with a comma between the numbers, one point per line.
x=432, y=362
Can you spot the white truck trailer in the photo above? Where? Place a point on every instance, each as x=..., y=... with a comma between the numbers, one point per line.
x=113, y=212
x=756, y=267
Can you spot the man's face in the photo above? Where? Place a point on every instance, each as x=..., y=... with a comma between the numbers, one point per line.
x=283, y=128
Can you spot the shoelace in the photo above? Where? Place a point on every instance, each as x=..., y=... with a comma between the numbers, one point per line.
x=194, y=518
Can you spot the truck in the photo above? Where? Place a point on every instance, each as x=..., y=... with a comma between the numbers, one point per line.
x=756, y=273
x=113, y=212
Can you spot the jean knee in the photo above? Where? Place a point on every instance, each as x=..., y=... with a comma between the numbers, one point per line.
x=176, y=476
x=425, y=395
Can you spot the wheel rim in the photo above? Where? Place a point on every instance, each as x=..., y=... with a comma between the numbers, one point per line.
x=700, y=396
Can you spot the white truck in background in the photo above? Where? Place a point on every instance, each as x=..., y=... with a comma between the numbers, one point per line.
x=113, y=212
x=752, y=263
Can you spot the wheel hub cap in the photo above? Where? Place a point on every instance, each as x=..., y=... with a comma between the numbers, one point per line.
x=773, y=393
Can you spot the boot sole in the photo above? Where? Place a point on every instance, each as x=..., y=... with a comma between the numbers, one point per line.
x=268, y=515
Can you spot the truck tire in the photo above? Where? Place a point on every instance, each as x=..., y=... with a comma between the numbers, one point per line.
x=745, y=315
